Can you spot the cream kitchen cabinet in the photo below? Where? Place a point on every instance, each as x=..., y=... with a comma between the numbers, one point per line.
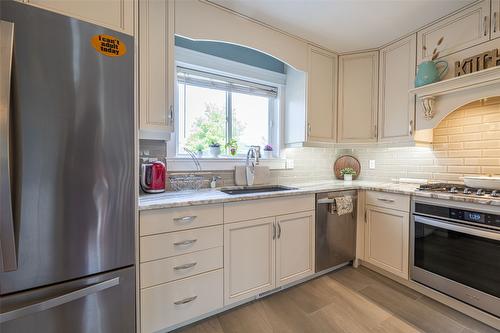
x=358, y=98
x=294, y=247
x=263, y=254
x=311, y=100
x=249, y=258
x=322, y=96
x=396, y=111
x=495, y=19
x=462, y=30
x=387, y=232
x=180, y=264
x=267, y=243
x=116, y=15
x=156, y=69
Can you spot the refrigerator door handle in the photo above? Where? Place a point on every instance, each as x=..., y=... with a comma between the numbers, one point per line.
x=60, y=300
x=8, y=256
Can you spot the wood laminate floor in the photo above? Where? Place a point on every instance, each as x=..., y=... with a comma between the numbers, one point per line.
x=347, y=301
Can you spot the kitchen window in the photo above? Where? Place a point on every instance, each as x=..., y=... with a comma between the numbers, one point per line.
x=214, y=108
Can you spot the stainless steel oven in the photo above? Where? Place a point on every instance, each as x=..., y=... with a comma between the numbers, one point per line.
x=455, y=249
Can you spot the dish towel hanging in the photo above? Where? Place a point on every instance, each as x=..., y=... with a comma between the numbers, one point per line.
x=344, y=205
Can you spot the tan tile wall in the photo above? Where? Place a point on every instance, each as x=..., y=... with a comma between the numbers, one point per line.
x=466, y=142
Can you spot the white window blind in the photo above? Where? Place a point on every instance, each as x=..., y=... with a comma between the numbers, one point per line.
x=214, y=81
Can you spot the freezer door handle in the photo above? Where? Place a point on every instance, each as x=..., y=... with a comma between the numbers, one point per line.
x=60, y=300
x=8, y=256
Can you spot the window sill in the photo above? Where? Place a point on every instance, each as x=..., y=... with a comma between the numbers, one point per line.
x=220, y=163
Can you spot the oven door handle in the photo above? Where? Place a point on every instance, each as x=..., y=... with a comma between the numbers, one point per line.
x=453, y=227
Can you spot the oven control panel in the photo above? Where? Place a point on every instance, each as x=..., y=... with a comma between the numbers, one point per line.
x=464, y=215
x=486, y=219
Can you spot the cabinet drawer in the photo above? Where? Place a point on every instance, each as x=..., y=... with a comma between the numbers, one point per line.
x=181, y=242
x=388, y=200
x=255, y=209
x=172, y=303
x=174, y=219
x=178, y=267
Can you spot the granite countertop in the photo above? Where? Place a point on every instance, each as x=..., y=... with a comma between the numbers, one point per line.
x=210, y=196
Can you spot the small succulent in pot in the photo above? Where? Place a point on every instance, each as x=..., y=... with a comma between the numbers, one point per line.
x=199, y=150
x=268, y=151
x=214, y=149
x=232, y=146
x=348, y=173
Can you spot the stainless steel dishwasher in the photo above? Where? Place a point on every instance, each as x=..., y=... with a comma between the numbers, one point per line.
x=335, y=234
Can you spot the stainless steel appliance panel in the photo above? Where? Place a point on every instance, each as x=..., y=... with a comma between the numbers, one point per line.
x=72, y=142
x=8, y=257
x=335, y=235
x=456, y=258
x=102, y=303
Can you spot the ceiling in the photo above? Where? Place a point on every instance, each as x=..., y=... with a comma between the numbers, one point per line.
x=345, y=25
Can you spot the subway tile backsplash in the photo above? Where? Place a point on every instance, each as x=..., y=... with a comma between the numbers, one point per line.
x=466, y=142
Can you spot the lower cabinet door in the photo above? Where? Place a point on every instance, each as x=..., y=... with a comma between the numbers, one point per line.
x=172, y=303
x=294, y=247
x=249, y=259
x=386, y=239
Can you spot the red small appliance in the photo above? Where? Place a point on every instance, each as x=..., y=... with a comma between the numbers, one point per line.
x=153, y=177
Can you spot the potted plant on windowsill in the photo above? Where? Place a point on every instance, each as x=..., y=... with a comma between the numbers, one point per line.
x=348, y=173
x=214, y=149
x=232, y=147
x=199, y=150
x=268, y=152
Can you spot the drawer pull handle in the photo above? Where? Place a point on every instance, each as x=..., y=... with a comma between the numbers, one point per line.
x=185, y=266
x=186, y=300
x=385, y=200
x=185, y=242
x=185, y=218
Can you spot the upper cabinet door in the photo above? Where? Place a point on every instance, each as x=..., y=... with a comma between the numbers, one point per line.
x=156, y=68
x=495, y=19
x=465, y=29
x=322, y=96
x=358, y=98
x=396, y=115
x=116, y=15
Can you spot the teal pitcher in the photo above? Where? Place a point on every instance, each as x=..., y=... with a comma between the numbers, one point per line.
x=427, y=72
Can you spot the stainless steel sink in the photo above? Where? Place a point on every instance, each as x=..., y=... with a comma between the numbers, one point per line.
x=255, y=189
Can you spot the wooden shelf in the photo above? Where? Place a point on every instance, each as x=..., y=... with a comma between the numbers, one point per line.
x=428, y=93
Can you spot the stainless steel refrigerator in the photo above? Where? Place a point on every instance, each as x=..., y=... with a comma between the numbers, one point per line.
x=66, y=175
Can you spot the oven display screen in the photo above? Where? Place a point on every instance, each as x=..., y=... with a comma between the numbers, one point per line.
x=473, y=217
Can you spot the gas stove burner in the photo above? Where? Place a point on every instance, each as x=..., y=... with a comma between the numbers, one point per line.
x=459, y=189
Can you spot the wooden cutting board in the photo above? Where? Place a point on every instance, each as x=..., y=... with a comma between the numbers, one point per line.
x=346, y=161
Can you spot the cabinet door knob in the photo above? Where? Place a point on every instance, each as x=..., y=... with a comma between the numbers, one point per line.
x=411, y=127
x=485, y=25
x=279, y=230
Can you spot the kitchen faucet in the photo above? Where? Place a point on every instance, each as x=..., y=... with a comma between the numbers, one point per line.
x=254, y=153
x=194, y=158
